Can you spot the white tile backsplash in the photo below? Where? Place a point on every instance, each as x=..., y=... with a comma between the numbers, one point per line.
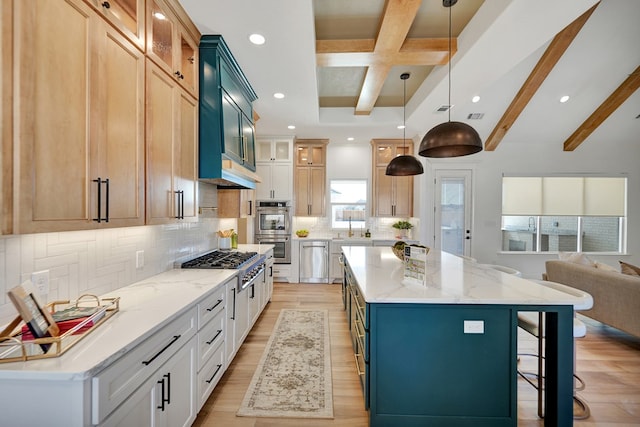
x=99, y=261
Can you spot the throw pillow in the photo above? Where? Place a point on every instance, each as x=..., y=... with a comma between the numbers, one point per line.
x=605, y=267
x=576, y=257
x=629, y=269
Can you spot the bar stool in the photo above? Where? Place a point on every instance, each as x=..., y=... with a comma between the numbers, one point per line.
x=533, y=323
x=503, y=268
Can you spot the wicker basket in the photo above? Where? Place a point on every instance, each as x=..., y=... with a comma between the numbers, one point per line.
x=398, y=252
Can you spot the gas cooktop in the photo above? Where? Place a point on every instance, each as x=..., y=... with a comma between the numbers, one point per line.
x=222, y=259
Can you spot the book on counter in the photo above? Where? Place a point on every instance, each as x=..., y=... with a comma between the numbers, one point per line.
x=69, y=318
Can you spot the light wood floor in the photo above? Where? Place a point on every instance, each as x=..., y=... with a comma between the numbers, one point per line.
x=607, y=360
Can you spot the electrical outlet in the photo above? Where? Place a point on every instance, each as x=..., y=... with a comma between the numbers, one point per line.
x=40, y=280
x=474, y=326
x=139, y=259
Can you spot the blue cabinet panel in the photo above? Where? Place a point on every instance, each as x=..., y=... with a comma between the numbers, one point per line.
x=226, y=128
x=426, y=371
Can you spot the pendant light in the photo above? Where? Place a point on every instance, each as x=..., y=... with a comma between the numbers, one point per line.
x=450, y=139
x=404, y=165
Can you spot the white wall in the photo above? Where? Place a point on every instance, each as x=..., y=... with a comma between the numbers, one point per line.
x=590, y=157
x=99, y=261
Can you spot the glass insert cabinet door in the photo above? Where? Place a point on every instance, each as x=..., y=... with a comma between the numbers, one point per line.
x=453, y=211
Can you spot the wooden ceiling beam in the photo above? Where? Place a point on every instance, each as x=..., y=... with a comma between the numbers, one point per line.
x=360, y=53
x=394, y=27
x=389, y=49
x=547, y=62
x=617, y=98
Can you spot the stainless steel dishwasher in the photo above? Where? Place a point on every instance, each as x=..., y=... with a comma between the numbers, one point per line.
x=314, y=261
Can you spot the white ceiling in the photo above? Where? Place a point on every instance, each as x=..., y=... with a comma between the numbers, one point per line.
x=497, y=50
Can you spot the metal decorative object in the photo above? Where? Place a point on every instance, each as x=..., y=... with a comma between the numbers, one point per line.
x=450, y=139
x=404, y=165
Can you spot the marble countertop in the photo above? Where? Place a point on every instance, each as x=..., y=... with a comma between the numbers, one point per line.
x=449, y=280
x=145, y=308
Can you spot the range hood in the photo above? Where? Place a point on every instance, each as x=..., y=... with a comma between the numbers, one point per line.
x=234, y=177
x=226, y=129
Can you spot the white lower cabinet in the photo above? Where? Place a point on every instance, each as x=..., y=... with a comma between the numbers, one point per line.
x=237, y=320
x=167, y=398
x=118, y=382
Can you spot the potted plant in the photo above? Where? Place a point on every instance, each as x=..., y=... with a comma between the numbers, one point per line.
x=403, y=227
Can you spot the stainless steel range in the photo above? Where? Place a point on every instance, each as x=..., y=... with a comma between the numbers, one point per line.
x=250, y=264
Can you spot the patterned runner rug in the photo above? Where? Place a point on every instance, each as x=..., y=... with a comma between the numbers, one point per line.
x=293, y=378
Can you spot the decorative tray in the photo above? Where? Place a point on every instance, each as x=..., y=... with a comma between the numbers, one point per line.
x=16, y=344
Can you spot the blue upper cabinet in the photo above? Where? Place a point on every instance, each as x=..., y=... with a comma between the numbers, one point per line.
x=226, y=116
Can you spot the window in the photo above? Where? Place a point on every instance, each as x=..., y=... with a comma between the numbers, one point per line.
x=348, y=203
x=573, y=214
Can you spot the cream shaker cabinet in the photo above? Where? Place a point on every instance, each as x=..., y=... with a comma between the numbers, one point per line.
x=6, y=117
x=78, y=90
x=170, y=45
x=274, y=164
x=310, y=176
x=128, y=16
x=392, y=195
x=171, y=149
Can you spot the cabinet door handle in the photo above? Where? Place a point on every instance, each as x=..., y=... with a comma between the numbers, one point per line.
x=214, y=338
x=215, y=305
x=168, y=376
x=180, y=204
x=253, y=292
x=106, y=5
x=174, y=339
x=106, y=218
x=214, y=374
x=250, y=207
x=100, y=181
x=233, y=313
x=179, y=75
x=162, y=398
x=165, y=397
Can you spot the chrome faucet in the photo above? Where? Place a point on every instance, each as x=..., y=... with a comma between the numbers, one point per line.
x=532, y=223
x=350, y=230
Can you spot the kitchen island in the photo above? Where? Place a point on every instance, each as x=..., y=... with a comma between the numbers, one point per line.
x=445, y=353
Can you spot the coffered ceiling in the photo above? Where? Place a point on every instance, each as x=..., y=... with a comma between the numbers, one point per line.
x=338, y=62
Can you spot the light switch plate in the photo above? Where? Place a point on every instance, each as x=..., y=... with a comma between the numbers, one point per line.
x=474, y=326
x=139, y=259
x=40, y=280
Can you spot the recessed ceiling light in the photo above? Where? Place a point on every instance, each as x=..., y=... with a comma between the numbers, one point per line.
x=350, y=138
x=291, y=127
x=564, y=98
x=257, y=39
x=475, y=99
x=278, y=95
x=159, y=15
x=400, y=126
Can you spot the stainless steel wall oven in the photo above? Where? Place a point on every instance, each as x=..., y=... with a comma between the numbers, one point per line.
x=273, y=227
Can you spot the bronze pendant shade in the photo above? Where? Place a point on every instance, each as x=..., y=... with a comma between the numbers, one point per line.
x=404, y=165
x=450, y=139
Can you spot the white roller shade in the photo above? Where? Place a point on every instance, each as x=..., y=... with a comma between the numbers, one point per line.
x=562, y=196
x=605, y=196
x=521, y=195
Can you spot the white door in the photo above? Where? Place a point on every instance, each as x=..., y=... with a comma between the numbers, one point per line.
x=452, y=219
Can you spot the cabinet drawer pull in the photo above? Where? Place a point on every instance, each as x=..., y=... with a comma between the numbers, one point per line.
x=360, y=373
x=174, y=339
x=106, y=5
x=214, y=338
x=215, y=305
x=214, y=374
